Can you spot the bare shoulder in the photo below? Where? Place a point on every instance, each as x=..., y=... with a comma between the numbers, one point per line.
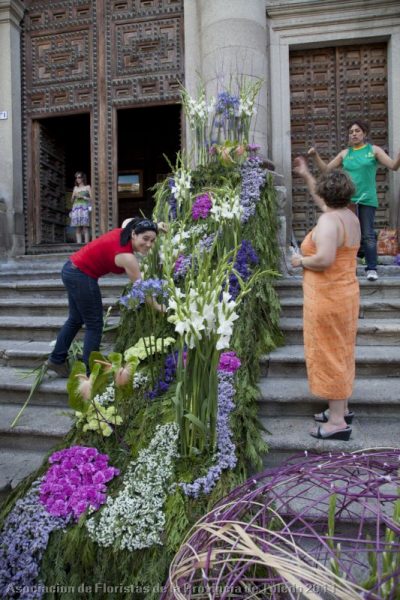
x=125, y=259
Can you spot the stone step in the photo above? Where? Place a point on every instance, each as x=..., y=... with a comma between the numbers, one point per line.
x=111, y=287
x=15, y=465
x=31, y=354
x=286, y=436
x=370, y=308
x=384, y=288
x=38, y=429
x=40, y=328
x=15, y=385
x=283, y=396
x=370, y=332
x=371, y=361
x=33, y=306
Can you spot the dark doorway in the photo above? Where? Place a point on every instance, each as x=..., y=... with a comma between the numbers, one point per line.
x=145, y=137
x=60, y=146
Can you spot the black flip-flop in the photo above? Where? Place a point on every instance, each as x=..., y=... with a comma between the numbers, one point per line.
x=341, y=434
x=324, y=417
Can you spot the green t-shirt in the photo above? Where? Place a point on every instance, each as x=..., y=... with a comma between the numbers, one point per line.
x=361, y=165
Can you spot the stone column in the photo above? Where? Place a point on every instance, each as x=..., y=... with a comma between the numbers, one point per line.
x=225, y=41
x=11, y=195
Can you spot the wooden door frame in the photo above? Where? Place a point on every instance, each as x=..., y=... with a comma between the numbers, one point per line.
x=306, y=25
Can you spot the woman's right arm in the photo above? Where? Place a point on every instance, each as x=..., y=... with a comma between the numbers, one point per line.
x=301, y=169
x=130, y=263
x=322, y=165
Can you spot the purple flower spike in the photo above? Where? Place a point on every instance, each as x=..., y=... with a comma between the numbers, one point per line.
x=225, y=457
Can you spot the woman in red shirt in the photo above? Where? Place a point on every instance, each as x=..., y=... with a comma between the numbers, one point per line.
x=112, y=252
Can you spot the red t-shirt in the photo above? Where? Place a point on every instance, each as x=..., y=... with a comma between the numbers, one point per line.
x=97, y=258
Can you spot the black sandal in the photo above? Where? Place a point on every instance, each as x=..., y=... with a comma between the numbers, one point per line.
x=323, y=417
x=341, y=434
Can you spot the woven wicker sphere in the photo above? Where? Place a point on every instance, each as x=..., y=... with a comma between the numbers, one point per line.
x=319, y=526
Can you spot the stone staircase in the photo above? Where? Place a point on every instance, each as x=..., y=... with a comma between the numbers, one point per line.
x=33, y=306
x=286, y=406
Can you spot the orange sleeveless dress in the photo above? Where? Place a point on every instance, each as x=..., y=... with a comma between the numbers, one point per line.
x=330, y=315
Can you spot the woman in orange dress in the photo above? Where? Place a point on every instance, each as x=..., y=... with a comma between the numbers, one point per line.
x=331, y=298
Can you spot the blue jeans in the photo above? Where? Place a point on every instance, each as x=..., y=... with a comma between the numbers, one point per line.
x=85, y=307
x=366, y=216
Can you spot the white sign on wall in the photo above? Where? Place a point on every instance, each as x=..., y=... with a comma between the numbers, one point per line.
x=3, y=114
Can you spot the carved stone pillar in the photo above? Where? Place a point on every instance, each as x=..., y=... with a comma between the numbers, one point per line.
x=11, y=201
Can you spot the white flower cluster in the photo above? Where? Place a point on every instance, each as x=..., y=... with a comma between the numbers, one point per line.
x=198, y=110
x=135, y=518
x=203, y=312
x=107, y=397
x=181, y=185
x=226, y=206
x=247, y=107
x=139, y=379
x=197, y=230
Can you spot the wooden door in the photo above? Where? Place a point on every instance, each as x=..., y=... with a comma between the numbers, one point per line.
x=48, y=224
x=328, y=88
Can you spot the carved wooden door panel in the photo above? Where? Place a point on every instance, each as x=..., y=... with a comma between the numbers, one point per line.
x=329, y=87
x=50, y=187
x=93, y=57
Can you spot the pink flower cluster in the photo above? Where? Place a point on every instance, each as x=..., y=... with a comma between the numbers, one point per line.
x=76, y=480
x=228, y=362
x=201, y=207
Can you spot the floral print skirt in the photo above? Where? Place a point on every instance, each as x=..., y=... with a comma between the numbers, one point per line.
x=80, y=214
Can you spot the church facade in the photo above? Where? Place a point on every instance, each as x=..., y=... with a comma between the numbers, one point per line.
x=94, y=85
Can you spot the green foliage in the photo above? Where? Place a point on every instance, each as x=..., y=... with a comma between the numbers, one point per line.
x=177, y=521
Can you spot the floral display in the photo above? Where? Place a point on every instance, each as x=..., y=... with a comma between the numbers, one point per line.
x=166, y=404
x=135, y=518
x=25, y=538
x=75, y=481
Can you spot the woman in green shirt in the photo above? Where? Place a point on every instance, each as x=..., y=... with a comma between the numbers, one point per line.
x=360, y=161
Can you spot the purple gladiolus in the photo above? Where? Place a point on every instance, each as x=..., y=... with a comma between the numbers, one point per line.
x=201, y=207
x=246, y=259
x=76, y=481
x=170, y=365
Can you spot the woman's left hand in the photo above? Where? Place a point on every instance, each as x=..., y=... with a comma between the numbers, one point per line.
x=295, y=260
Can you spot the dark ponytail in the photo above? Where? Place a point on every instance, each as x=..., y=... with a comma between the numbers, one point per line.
x=136, y=225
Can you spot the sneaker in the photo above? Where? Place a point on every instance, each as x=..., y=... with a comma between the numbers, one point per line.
x=372, y=275
x=62, y=369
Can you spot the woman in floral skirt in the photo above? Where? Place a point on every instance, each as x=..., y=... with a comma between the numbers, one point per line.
x=81, y=207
